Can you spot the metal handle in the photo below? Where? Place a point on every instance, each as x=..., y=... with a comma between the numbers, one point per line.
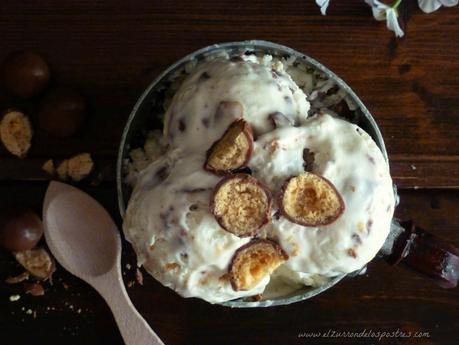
x=426, y=254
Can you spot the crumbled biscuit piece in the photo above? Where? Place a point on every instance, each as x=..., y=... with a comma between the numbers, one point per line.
x=48, y=167
x=63, y=170
x=17, y=279
x=37, y=261
x=77, y=167
x=232, y=151
x=241, y=204
x=310, y=200
x=16, y=133
x=253, y=262
x=80, y=166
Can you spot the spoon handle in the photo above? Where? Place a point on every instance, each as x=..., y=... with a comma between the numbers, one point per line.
x=133, y=327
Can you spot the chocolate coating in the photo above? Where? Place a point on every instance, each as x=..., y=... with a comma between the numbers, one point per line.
x=20, y=229
x=62, y=113
x=25, y=74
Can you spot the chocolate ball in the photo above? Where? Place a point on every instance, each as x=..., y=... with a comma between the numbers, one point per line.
x=25, y=74
x=20, y=229
x=62, y=113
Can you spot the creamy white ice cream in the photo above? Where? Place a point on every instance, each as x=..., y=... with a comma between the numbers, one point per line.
x=168, y=221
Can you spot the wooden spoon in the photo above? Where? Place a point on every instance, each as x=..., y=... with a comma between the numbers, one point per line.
x=85, y=241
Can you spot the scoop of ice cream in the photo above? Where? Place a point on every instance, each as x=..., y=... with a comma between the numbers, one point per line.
x=351, y=161
x=174, y=234
x=220, y=91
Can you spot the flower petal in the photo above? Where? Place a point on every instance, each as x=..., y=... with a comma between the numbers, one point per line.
x=378, y=8
x=393, y=24
x=429, y=6
x=449, y=3
x=323, y=6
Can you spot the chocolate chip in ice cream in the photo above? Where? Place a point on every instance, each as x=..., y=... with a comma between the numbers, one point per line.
x=310, y=200
x=253, y=262
x=232, y=151
x=308, y=160
x=204, y=76
x=241, y=205
x=181, y=125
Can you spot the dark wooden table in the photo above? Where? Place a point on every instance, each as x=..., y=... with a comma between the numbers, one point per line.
x=111, y=51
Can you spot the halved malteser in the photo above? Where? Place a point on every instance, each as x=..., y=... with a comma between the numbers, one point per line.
x=232, y=151
x=241, y=204
x=254, y=261
x=311, y=200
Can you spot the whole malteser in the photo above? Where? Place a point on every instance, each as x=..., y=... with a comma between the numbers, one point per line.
x=20, y=229
x=62, y=112
x=25, y=74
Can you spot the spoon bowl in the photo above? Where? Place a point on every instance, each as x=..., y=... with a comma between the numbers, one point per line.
x=92, y=250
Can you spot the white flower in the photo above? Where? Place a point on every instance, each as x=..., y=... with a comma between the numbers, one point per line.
x=389, y=13
x=429, y=6
x=323, y=6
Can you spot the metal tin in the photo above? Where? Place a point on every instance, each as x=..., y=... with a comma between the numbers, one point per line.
x=141, y=112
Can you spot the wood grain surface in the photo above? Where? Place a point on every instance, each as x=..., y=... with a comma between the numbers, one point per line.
x=111, y=50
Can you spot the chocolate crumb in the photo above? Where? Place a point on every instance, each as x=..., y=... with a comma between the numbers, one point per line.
x=369, y=225
x=224, y=278
x=277, y=215
x=162, y=173
x=342, y=109
x=236, y=59
x=181, y=125
x=243, y=170
x=184, y=256
x=351, y=252
x=204, y=76
x=195, y=190
x=257, y=297
x=356, y=239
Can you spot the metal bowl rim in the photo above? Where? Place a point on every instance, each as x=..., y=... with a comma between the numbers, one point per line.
x=249, y=44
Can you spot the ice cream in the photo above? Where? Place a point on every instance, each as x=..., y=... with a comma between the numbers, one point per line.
x=178, y=232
